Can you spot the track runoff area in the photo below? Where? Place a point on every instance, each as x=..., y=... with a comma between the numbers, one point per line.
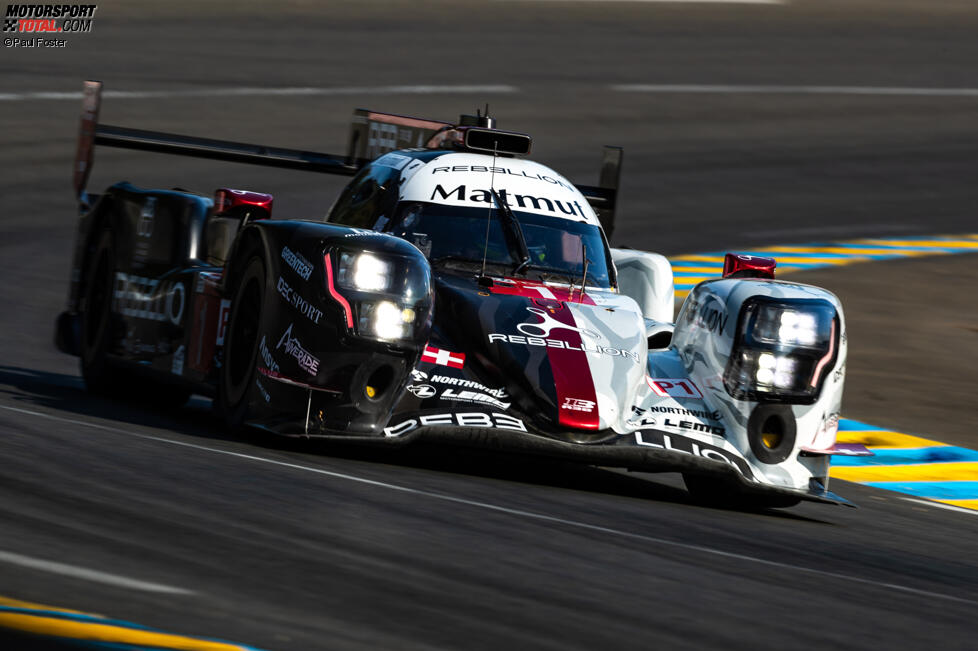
x=904, y=463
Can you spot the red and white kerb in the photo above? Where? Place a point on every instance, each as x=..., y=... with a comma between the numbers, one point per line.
x=442, y=357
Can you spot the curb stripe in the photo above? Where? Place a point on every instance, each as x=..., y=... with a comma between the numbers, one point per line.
x=917, y=472
x=693, y=268
x=902, y=456
x=93, y=632
x=909, y=464
x=98, y=631
x=959, y=491
x=882, y=439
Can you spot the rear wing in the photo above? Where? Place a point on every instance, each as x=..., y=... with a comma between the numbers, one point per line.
x=604, y=197
x=91, y=133
x=372, y=134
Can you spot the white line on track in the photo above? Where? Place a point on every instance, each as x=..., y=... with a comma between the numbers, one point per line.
x=938, y=505
x=739, y=2
x=732, y=89
x=87, y=574
x=252, y=91
x=502, y=509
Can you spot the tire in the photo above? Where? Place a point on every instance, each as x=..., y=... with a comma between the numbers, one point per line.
x=97, y=334
x=240, y=363
x=97, y=321
x=723, y=493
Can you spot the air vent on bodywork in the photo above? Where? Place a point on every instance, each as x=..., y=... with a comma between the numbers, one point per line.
x=503, y=142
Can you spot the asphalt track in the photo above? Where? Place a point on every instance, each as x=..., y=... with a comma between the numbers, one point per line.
x=303, y=546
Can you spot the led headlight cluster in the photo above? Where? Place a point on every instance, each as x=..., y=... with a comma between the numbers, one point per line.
x=381, y=295
x=365, y=272
x=782, y=349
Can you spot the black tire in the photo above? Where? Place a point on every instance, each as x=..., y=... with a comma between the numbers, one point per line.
x=97, y=335
x=726, y=494
x=240, y=362
x=96, y=320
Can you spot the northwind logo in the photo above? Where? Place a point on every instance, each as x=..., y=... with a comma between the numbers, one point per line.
x=549, y=323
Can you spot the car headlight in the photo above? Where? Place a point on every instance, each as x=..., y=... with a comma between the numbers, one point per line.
x=364, y=272
x=386, y=320
x=383, y=296
x=782, y=349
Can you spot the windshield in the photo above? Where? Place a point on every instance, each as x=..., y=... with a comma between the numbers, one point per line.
x=458, y=234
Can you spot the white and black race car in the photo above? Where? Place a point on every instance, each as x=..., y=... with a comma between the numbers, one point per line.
x=455, y=290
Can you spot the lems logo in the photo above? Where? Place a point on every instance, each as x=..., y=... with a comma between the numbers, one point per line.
x=549, y=323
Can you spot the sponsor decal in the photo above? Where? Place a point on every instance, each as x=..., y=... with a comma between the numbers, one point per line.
x=713, y=319
x=468, y=384
x=678, y=443
x=827, y=431
x=396, y=161
x=144, y=227
x=263, y=390
x=679, y=411
x=674, y=387
x=418, y=376
x=549, y=323
x=177, y=367
x=381, y=137
x=266, y=355
x=692, y=425
x=422, y=390
x=457, y=419
x=839, y=373
x=294, y=349
x=207, y=282
x=358, y=232
x=473, y=396
x=479, y=195
x=304, y=307
x=148, y=298
x=297, y=263
x=223, y=312
x=557, y=343
x=576, y=404
x=443, y=357
x=46, y=19
x=502, y=170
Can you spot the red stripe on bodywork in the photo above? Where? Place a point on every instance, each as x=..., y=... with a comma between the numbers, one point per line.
x=530, y=289
x=572, y=375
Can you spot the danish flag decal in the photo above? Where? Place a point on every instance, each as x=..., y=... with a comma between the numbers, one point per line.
x=441, y=357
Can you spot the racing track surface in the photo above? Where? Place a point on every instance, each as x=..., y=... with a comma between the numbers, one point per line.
x=282, y=544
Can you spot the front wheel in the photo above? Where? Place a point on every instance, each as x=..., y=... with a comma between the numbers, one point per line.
x=241, y=346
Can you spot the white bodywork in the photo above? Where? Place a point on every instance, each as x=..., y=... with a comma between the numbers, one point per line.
x=678, y=390
x=647, y=278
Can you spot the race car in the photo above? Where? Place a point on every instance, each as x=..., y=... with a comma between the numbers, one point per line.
x=455, y=290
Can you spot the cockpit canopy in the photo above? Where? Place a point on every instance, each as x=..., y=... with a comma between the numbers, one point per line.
x=461, y=237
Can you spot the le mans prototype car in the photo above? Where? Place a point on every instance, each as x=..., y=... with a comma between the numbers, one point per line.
x=455, y=290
